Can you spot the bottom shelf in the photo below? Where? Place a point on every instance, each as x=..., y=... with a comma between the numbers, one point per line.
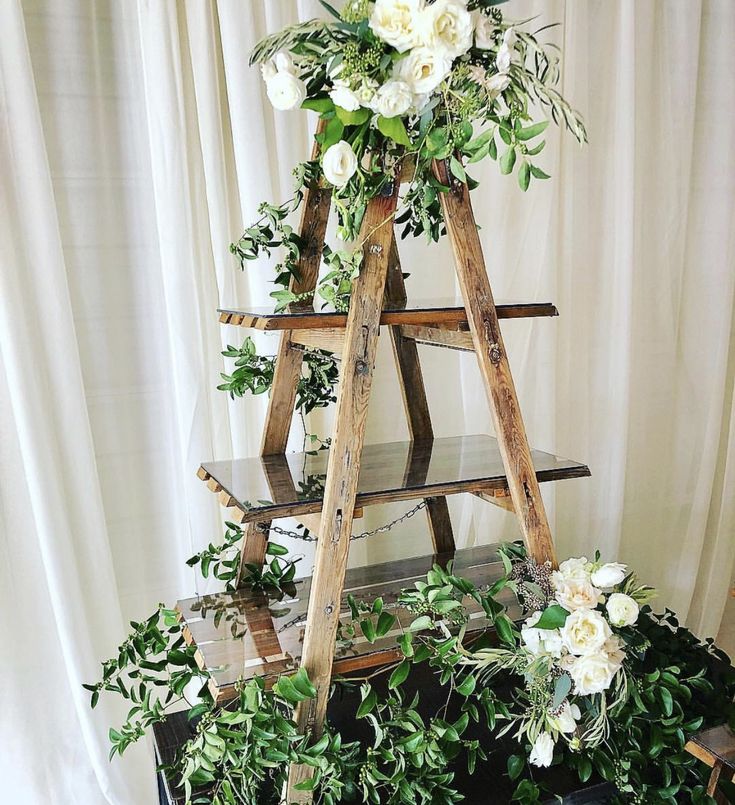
x=243, y=634
x=490, y=776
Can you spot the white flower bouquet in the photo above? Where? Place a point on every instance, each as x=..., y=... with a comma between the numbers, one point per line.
x=571, y=650
x=431, y=79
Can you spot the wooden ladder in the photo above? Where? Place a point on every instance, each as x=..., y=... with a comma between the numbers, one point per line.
x=381, y=278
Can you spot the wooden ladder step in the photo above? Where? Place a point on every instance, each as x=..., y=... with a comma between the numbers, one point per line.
x=442, y=312
x=292, y=484
x=244, y=634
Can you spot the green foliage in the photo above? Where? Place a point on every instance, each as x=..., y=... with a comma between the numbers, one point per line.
x=151, y=670
x=677, y=692
x=242, y=754
x=253, y=373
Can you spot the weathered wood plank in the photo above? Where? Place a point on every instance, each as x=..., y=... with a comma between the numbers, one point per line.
x=498, y=497
x=440, y=337
x=429, y=312
x=494, y=367
x=358, y=360
x=329, y=338
x=289, y=485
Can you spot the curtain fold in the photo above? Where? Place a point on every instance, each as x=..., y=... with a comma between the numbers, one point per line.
x=135, y=144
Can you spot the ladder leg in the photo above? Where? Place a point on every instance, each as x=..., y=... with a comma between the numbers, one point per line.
x=493, y=361
x=282, y=399
x=358, y=360
x=415, y=403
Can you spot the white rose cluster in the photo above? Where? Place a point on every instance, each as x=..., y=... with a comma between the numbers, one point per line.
x=584, y=646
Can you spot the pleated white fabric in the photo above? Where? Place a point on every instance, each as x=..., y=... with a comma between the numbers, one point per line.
x=135, y=142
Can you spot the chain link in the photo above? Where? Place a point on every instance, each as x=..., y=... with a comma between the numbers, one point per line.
x=284, y=532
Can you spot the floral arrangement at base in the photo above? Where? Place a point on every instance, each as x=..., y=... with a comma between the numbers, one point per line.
x=571, y=652
x=575, y=670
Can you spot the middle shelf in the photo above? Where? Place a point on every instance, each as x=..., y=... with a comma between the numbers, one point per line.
x=292, y=484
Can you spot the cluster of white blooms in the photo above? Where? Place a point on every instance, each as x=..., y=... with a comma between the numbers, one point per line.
x=433, y=35
x=585, y=646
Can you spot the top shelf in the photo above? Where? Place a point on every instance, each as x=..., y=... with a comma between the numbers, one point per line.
x=443, y=311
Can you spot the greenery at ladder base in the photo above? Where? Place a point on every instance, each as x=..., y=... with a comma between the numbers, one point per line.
x=241, y=752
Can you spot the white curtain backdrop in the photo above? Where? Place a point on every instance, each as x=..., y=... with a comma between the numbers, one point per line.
x=135, y=142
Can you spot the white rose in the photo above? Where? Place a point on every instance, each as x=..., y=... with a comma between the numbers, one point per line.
x=484, y=30
x=592, y=673
x=446, y=25
x=423, y=69
x=393, y=99
x=541, y=641
x=286, y=91
x=339, y=163
x=542, y=752
x=344, y=97
x=393, y=21
x=567, y=718
x=609, y=575
x=503, y=58
x=578, y=594
x=585, y=631
x=572, y=569
x=498, y=82
x=622, y=610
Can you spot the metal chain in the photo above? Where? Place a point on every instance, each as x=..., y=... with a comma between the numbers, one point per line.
x=381, y=529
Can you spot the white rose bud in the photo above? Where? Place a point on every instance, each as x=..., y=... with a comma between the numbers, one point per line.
x=542, y=752
x=446, y=25
x=585, y=631
x=344, y=97
x=286, y=91
x=592, y=673
x=578, y=594
x=503, y=59
x=566, y=720
x=484, y=30
x=509, y=38
x=622, y=610
x=393, y=21
x=609, y=575
x=393, y=99
x=339, y=163
x=423, y=69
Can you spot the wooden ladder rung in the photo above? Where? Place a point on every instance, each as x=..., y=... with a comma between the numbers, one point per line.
x=439, y=336
x=330, y=339
x=498, y=497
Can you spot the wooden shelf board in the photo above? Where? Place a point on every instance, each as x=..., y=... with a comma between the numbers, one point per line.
x=443, y=311
x=286, y=485
x=245, y=634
